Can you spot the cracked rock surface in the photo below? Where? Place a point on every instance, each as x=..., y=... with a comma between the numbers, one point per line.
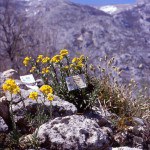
x=72, y=132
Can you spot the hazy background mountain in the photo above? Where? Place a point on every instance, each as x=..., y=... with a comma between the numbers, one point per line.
x=104, y=2
x=50, y=25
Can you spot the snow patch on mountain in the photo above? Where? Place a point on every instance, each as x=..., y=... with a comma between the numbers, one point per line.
x=109, y=9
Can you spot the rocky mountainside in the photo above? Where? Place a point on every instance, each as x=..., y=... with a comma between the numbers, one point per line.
x=58, y=125
x=58, y=24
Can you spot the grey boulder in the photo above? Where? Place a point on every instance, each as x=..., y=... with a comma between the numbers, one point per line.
x=125, y=148
x=3, y=126
x=74, y=132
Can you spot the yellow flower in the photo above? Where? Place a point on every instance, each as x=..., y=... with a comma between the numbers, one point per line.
x=16, y=90
x=50, y=97
x=5, y=87
x=33, y=95
x=72, y=65
x=11, y=86
x=45, y=70
x=77, y=66
x=64, y=52
x=33, y=69
x=80, y=65
x=46, y=89
x=45, y=60
x=82, y=58
x=39, y=58
x=75, y=60
x=26, y=61
x=65, y=67
x=57, y=59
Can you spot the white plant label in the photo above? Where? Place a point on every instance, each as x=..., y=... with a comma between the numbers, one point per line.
x=27, y=79
x=76, y=82
x=33, y=87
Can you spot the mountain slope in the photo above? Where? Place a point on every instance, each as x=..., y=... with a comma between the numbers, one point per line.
x=58, y=24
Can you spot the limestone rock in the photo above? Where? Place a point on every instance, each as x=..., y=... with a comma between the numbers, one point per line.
x=39, y=82
x=4, y=111
x=21, y=107
x=59, y=106
x=3, y=126
x=21, y=84
x=11, y=73
x=139, y=121
x=72, y=132
x=125, y=148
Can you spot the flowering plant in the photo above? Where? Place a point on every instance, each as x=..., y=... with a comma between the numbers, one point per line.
x=11, y=87
x=54, y=72
x=41, y=117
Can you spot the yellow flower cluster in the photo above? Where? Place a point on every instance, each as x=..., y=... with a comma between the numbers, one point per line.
x=77, y=63
x=39, y=58
x=64, y=52
x=42, y=59
x=33, y=69
x=77, y=60
x=50, y=97
x=45, y=60
x=57, y=59
x=11, y=86
x=33, y=95
x=65, y=67
x=45, y=70
x=26, y=61
x=46, y=89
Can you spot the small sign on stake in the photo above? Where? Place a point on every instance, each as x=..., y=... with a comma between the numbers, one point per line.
x=76, y=82
x=29, y=81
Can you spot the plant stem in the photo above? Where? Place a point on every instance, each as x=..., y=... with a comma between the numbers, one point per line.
x=50, y=109
x=11, y=114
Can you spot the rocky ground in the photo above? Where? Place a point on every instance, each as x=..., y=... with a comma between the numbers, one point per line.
x=67, y=130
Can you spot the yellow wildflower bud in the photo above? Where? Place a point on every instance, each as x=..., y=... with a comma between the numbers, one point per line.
x=46, y=89
x=39, y=58
x=72, y=65
x=45, y=60
x=33, y=69
x=64, y=52
x=50, y=97
x=75, y=60
x=45, y=70
x=57, y=59
x=11, y=86
x=82, y=58
x=16, y=90
x=26, y=61
x=33, y=95
x=80, y=65
x=66, y=68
